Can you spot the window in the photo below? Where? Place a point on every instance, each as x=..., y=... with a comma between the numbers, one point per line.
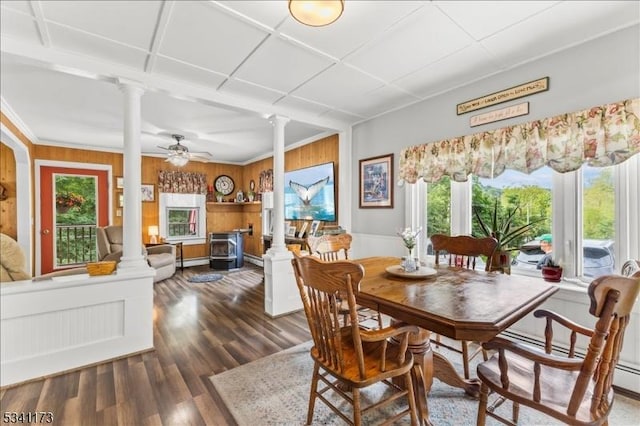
x=183, y=218
x=592, y=214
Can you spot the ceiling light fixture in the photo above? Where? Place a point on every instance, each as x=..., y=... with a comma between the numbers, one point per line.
x=316, y=13
x=178, y=159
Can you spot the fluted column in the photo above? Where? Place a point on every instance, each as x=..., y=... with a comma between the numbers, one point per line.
x=278, y=123
x=132, y=257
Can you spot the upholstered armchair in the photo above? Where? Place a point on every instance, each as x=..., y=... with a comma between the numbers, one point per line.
x=14, y=265
x=162, y=258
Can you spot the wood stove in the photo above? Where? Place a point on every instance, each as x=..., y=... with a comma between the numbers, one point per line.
x=225, y=250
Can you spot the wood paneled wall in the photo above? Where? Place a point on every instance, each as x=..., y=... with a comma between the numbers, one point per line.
x=219, y=218
x=8, y=218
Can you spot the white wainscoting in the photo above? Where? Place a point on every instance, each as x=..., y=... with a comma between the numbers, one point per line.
x=570, y=301
x=53, y=326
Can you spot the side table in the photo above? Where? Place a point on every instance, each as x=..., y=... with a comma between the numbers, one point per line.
x=179, y=255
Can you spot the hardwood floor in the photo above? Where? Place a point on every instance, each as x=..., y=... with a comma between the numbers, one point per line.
x=199, y=330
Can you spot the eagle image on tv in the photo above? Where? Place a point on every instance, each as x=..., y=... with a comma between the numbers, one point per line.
x=309, y=193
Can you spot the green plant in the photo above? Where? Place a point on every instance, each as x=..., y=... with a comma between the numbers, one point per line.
x=501, y=229
x=69, y=199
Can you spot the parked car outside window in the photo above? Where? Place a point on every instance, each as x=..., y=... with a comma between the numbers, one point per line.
x=598, y=257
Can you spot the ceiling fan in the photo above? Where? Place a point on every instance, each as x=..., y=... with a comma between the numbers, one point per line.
x=179, y=155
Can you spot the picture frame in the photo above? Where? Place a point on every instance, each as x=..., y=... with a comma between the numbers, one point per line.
x=291, y=232
x=148, y=192
x=119, y=182
x=303, y=229
x=315, y=225
x=376, y=182
x=120, y=200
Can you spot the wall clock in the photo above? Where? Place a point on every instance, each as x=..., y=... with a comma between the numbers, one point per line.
x=224, y=184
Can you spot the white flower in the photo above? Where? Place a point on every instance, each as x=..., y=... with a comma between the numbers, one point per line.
x=409, y=237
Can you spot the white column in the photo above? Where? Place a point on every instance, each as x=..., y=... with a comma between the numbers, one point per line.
x=132, y=257
x=281, y=294
x=277, y=242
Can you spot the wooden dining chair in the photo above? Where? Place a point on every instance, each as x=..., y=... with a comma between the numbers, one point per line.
x=631, y=268
x=331, y=248
x=347, y=354
x=572, y=390
x=463, y=251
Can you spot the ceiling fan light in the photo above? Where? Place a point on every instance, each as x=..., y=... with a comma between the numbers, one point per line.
x=178, y=160
x=316, y=13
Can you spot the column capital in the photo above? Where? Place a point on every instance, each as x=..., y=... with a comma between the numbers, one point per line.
x=278, y=120
x=131, y=86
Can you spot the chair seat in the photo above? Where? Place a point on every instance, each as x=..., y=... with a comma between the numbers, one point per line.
x=159, y=260
x=555, y=386
x=372, y=352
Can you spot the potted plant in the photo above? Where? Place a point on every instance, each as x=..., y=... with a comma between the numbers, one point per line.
x=219, y=196
x=552, y=271
x=505, y=234
x=251, y=196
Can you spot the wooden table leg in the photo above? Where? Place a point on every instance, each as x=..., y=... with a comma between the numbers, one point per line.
x=429, y=364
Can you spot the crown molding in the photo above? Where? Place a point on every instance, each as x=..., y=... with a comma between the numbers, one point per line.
x=17, y=121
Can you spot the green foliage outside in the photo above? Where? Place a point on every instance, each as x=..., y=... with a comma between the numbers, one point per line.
x=533, y=203
x=599, y=207
x=75, y=219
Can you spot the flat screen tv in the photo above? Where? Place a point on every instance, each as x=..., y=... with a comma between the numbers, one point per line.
x=309, y=194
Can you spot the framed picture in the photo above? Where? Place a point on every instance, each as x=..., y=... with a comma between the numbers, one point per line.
x=148, y=192
x=119, y=182
x=314, y=228
x=376, y=182
x=120, y=200
x=303, y=229
x=291, y=232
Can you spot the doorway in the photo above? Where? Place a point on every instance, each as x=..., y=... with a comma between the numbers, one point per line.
x=73, y=202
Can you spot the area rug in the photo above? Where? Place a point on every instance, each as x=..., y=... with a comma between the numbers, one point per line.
x=205, y=278
x=274, y=391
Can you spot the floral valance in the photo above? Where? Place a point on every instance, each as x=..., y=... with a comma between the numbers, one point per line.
x=182, y=182
x=600, y=136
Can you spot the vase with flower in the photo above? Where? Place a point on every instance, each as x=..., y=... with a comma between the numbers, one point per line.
x=409, y=239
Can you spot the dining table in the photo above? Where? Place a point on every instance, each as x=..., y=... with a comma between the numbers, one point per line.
x=462, y=304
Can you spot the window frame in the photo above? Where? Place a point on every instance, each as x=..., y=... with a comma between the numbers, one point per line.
x=566, y=199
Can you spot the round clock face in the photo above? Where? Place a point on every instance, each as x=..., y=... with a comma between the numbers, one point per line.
x=224, y=184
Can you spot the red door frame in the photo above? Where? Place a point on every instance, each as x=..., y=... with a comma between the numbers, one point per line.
x=47, y=207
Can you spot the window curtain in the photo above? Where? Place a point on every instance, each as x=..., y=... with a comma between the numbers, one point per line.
x=182, y=182
x=600, y=136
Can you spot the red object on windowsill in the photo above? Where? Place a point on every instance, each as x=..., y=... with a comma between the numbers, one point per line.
x=552, y=273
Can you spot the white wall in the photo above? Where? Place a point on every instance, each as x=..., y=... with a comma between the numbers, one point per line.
x=597, y=72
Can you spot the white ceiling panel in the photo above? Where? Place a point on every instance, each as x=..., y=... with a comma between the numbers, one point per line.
x=96, y=47
x=19, y=26
x=17, y=5
x=189, y=74
x=452, y=71
x=234, y=86
x=566, y=24
x=281, y=65
x=229, y=64
x=337, y=84
x=360, y=22
x=130, y=22
x=422, y=38
x=294, y=102
x=484, y=18
x=202, y=34
x=268, y=13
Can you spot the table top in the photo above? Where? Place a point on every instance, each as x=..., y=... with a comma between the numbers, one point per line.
x=459, y=303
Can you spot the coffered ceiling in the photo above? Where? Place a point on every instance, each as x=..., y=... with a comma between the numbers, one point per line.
x=214, y=71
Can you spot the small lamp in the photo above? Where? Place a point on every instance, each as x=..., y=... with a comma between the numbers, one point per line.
x=153, y=234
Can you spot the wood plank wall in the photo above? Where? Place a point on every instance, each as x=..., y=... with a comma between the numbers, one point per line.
x=219, y=217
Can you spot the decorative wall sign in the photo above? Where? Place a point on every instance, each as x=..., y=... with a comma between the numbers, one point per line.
x=525, y=89
x=500, y=114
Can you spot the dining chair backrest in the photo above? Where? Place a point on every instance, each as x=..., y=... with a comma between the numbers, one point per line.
x=463, y=249
x=330, y=248
x=631, y=268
